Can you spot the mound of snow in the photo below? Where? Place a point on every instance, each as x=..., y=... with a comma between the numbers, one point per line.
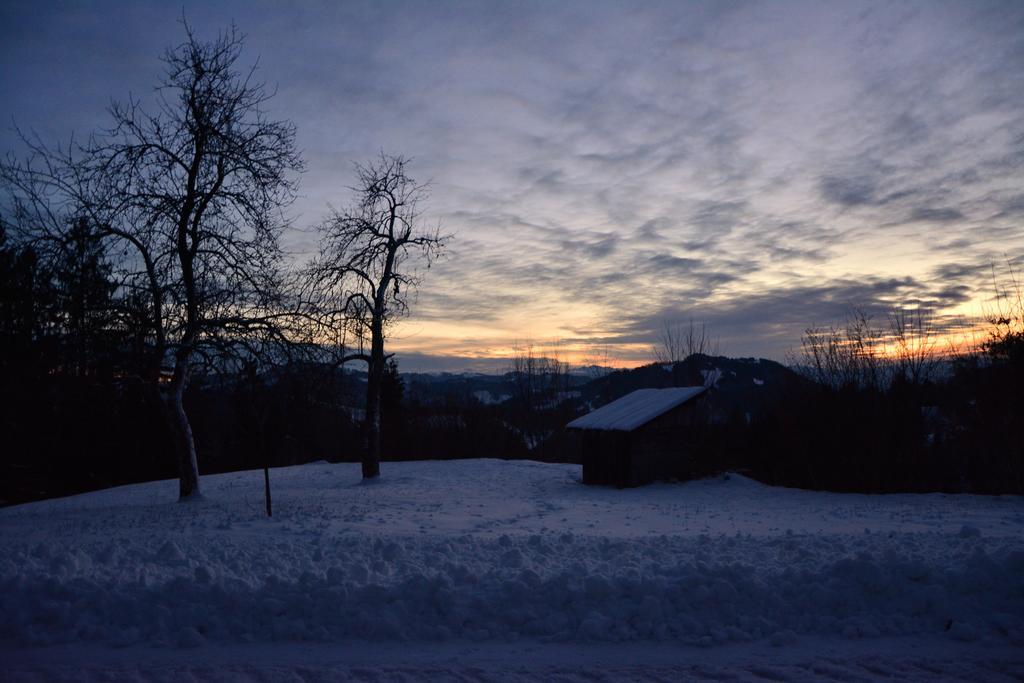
x=499, y=551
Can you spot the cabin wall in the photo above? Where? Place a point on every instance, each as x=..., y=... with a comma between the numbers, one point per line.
x=605, y=457
x=663, y=448
x=658, y=450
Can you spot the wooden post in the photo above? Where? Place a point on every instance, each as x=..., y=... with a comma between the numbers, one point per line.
x=266, y=486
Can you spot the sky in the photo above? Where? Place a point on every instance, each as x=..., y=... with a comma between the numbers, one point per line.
x=607, y=168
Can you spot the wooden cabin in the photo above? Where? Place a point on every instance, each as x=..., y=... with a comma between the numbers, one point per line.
x=639, y=438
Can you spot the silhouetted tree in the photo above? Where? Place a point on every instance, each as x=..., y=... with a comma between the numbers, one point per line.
x=189, y=195
x=539, y=381
x=915, y=352
x=365, y=273
x=84, y=304
x=25, y=296
x=1006, y=333
x=847, y=356
x=678, y=341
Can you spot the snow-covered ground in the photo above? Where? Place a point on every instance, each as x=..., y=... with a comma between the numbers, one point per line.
x=484, y=569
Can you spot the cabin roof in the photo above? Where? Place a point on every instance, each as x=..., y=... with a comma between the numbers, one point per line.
x=635, y=409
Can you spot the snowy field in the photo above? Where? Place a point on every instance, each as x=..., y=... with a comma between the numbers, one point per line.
x=491, y=570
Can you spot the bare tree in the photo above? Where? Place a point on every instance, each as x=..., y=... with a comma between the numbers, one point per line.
x=860, y=354
x=365, y=274
x=1006, y=323
x=189, y=194
x=598, y=361
x=915, y=351
x=538, y=376
x=540, y=380
x=851, y=355
x=678, y=341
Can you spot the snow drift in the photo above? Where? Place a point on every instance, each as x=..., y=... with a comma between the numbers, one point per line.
x=504, y=551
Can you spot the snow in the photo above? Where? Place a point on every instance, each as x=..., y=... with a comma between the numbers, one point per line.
x=711, y=377
x=487, y=398
x=486, y=569
x=635, y=409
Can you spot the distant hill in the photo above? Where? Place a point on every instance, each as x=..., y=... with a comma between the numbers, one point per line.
x=458, y=388
x=448, y=388
x=736, y=386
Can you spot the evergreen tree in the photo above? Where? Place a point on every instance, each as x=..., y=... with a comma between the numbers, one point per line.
x=84, y=300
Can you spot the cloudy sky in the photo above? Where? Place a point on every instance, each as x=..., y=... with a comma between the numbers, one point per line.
x=605, y=167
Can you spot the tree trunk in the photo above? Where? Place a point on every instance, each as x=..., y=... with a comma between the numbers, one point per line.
x=184, y=444
x=371, y=425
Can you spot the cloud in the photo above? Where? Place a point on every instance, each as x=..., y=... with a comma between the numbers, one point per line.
x=850, y=191
x=604, y=166
x=1013, y=207
x=681, y=266
x=593, y=247
x=936, y=215
x=771, y=322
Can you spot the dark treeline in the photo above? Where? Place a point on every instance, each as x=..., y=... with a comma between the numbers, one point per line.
x=841, y=417
x=149, y=303
x=922, y=421
x=77, y=413
x=918, y=419
x=957, y=434
x=847, y=418
x=76, y=416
